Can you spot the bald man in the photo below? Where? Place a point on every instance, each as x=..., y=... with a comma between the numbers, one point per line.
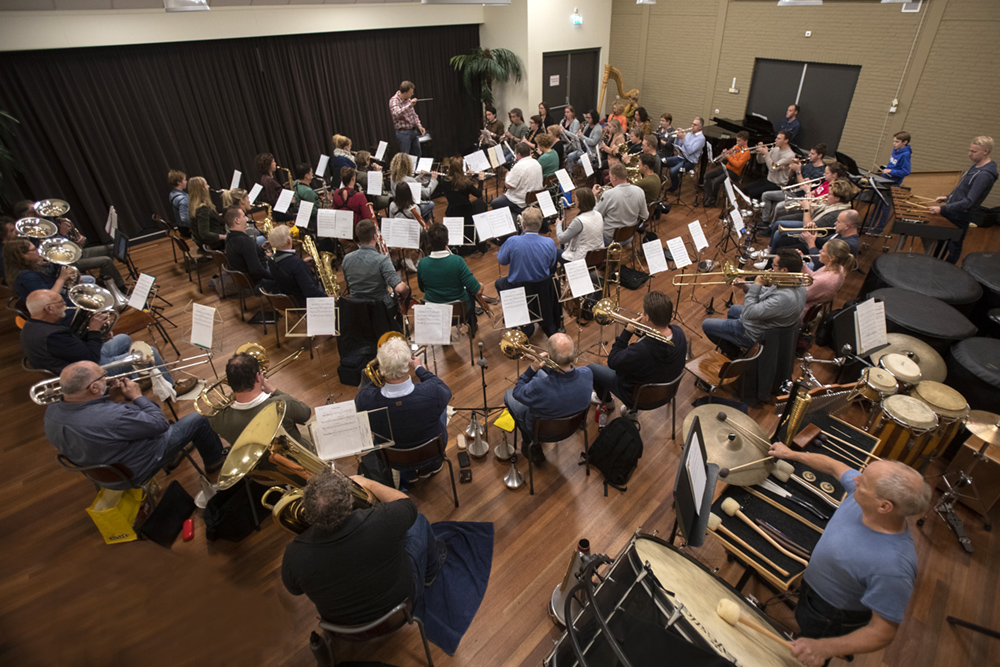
x=91, y=429
x=861, y=573
x=548, y=393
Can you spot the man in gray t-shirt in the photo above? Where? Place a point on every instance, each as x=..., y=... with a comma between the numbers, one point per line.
x=861, y=573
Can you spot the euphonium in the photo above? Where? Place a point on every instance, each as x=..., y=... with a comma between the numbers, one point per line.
x=514, y=345
x=323, y=261
x=89, y=300
x=372, y=370
x=730, y=274
x=213, y=399
x=606, y=312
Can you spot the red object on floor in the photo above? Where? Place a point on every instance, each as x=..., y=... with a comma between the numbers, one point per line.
x=188, y=531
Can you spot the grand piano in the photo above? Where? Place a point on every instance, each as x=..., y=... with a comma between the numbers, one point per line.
x=721, y=134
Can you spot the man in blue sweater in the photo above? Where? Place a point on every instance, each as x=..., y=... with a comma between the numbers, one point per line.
x=970, y=193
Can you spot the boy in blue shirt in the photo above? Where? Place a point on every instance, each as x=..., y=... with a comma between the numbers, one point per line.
x=895, y=170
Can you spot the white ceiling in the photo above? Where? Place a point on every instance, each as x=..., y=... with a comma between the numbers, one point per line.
x=90, y=5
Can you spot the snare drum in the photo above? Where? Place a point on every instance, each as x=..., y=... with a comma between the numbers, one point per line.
x=951, y=410
x=903, y=427
x=905, y=370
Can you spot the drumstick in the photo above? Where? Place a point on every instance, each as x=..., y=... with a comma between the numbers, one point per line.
x=854, y=447
x=731, y=613
x=750, y=435
x=732, y=508
x=725, y=472
x=715, y=525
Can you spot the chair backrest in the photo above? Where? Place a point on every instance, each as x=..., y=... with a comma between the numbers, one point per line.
x=595, y=258
x=397, y=458
x=388, y=622
x=655, y=394
x=278, y=301
x=219, y=257
x=164, y=225
x=459, y=310
x=181, y=245
x=737, y=367
x=241, y=279
x=623, y=234
x=113, y=476
x=556, y=429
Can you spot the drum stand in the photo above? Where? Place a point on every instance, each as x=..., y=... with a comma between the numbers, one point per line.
x=945, y=507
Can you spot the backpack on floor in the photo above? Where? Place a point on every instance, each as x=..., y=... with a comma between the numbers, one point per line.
x=616, y=452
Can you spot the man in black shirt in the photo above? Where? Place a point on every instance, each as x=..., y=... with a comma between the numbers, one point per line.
x=243, y=253
x=293, y=275
x=356, y=565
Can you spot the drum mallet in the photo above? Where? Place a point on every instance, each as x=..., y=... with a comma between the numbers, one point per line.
x=784, y=471
x=730, y=612
x=866, y=453
x=725, y=472
x=731, y=507
x=746, y=433
x=715, y=525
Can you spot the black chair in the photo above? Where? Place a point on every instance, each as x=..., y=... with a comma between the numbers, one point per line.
x=279, y=304
x=167, y=229
x=190, y=262
x=245, y=286
x=414, y=458
x=397, y=617
x=654, y=395
x=118, y=476
x=775, y=364
x=556, y=430
x=222, y=267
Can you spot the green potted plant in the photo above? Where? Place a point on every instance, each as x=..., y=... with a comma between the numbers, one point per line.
x=482, y=68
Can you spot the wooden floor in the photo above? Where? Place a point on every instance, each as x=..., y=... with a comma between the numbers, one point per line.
x=71, y=600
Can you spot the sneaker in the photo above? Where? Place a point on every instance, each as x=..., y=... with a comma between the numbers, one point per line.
x=760, y=266
x=410, y=266
x=184, y=386
x=628, y=414
x=430, y=473
x=594, y=398
x=216, y=466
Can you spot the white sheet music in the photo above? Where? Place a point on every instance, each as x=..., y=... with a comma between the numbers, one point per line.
x=498, y=154
x=305, y=211
x=695, y=465
x=655, y=258
x=415, y=189
x=255, y=192
x=588, y=166
x=869, y=325
x=477, y=161
x=565, y=182
x=679, y=252
x=401, y=233
x=380, y=151
x=425, y=164
x=321, y=165
x=737, y=219
x=729, y=190
x=284, y=201
x=432, y=324
x=235, y=183
x=493, y=224
x=698, y=235
x=739, y=193
x=414, y=160
x=331, y=223
x=578, y=275
x=321, y=316
x=202, y=322
x=515, y=307
x=112, y=223
x=374, y=183
x=141, y=291
x=456, y=230
x=341, y=431
x=545, y=202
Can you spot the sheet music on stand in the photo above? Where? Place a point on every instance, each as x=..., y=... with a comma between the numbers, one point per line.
x=546, y=204
x=207, y=329
x=565, y=182
x=401, y=233
x=698, y=235
x=334, y=223
x=321, y=165
x=432, y=323
x=655, y=258
x=340, y=431
x=255, y=192
x=869, y=326
x=456, y=232
x=494, y=224
x=321, y=316
x=140, y=293
x=380, y=151
x=477, y=161
x=679, y=252
x=517, y=308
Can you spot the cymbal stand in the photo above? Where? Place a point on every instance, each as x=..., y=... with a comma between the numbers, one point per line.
x=945, y=506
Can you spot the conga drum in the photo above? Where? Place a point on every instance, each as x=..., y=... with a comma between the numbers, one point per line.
x=903, y=369
x=903, y=427
x=874, y=386
x=925, y=275
x=931, y=320
x=951, y=410
x=974, y=369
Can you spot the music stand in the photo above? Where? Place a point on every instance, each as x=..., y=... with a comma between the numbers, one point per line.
x=120, y=249
x=694, y=488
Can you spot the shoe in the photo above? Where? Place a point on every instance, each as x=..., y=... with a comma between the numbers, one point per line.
x=442, y=547
x=479, y=310
x=410, y=266
x=628, y=414
x=431, y=473
x=536, y=454
x=594, y=398
x=177, y=460
x=184, y=386
x=492, y=300
x=708, y=203
x=216, y=466
x=701, y=385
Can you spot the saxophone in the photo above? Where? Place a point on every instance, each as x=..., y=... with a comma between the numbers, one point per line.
x=267, y=224
x=323, y=261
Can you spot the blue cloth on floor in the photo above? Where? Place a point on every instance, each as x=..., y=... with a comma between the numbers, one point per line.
x=448, y=606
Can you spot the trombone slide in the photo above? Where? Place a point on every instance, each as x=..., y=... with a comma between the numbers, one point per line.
x=798, y=231
x=792, y=186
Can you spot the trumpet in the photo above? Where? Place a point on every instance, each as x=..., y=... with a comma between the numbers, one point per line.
x=673, y=133
x=606, y=312
x=730, y=274
x=735, y=150
x=213, y=399
x=792, y=186
x=798, y=231
x=770, y=145
x=372, y=370
x=140, y=357
x=514, y=345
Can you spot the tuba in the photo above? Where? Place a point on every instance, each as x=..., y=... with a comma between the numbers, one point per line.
x=372, y=370
x=213, y=399
x=89, y=300
x=323, y=261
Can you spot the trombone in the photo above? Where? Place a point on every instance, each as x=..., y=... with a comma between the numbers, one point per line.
x=730, y=274
x=798, y=231
x=606, y=312
x=792, y=186
x=514, y=345
x=372, y=370
x=213, y=399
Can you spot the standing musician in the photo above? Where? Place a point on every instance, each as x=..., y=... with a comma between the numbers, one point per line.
x=585, y=233
x=446, y=278
x=293, y=275
x=778, y=161
x=691, y=145
x=252, y=392
x=347, y=198
x=774, y=201
x=91, y=429
x=243, y=253
x=547, y=393
x=735, y=160
x=179, y=201
x=517, y=130
x=970, y=192
x=790, y=124
x=646, y=361
x=369, y=274
x=524, y=177
x=624, y=205
x=405, y=119
x=545, y=117
x=356, y=565
x=569, y=121
x=861, y=573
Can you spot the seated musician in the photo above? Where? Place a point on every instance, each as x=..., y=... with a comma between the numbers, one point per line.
x=778, y=161
x=591, y=135
x=517, y=130
x=649, y=144
x=91, y=429
x=291, y=273
x=366, y=164
x=665, y=137
x=369, y=274
x=973, y=188
x=302, y=189
x=356, y=565
x=821, y=213
x=524, y=177
x=815, y=167
x=401, y=170
x=209, y=229
x=585, y=233
x=26, y=271
x=735, y=160
x=465, y=199
x=342, y=155
x=569, y=122
x=403, y=206
x=845, y=229
x=445, y=278
x=531, y=256
x=763, y=308
x=238, y=197
x=178, y=199
x=558, y=145
x=252, y=392
x=50, y=345
x=493, y=124
x=416, y=412
x=243, y=253
x=347, y=197
x=641, y=120
x=547, y=158
x=835, y=260
x=633, y=142
x=612, y=142
x=266, y=166
x=650, y=183
x=535, y=128
x=644, y=362
x=624, y=205
x=862, y=571
x=689, y=145
x=543, y=393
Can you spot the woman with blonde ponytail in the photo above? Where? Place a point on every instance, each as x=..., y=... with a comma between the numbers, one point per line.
x=837, y=259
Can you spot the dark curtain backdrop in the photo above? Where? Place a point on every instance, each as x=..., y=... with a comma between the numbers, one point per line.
x=102, y=126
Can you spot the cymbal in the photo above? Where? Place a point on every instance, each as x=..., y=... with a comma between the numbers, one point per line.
x=984, y=425
x=727, y=451
x=932, y=365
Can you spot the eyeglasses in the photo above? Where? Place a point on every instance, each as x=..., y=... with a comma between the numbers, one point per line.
x=98, y=379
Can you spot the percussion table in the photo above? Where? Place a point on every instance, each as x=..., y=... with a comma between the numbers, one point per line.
x=924, y=275
x=916, y=221
x=931, y=320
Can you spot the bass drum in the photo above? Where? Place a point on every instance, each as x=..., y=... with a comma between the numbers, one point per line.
x=676, y=591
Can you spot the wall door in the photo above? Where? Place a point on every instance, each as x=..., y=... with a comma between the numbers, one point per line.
x=571, y=77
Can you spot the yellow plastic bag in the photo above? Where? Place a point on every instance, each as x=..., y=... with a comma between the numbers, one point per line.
x=505, y=421
x=114, y=512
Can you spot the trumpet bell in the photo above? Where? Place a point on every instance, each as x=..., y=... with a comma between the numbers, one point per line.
x=60, y=251
x=36, y=228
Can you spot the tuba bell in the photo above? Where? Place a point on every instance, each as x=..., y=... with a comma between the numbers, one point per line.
x=372, y=370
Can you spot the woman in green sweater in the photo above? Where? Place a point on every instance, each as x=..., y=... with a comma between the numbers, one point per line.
x=548, y=159
x=444, y=277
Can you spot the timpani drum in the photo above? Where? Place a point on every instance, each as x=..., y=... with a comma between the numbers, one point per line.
x=904, y=426
x=874, y=386
x=905, y=370
x=951, y=410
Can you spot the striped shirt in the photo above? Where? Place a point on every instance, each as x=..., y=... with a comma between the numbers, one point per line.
x=403, y=115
